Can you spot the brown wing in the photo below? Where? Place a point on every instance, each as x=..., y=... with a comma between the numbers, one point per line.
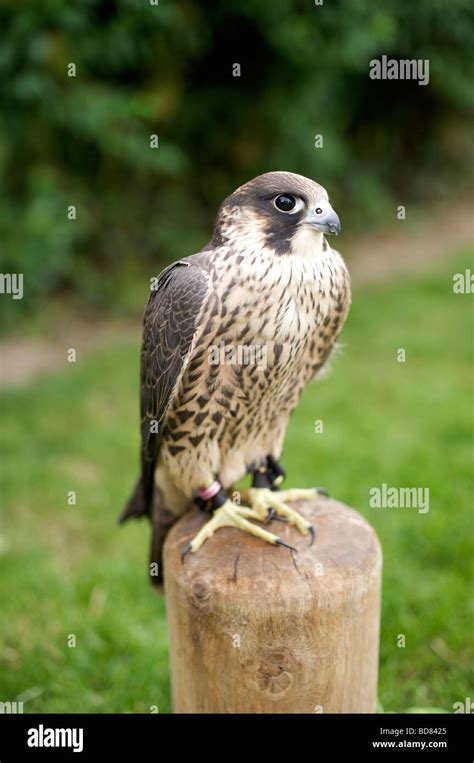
x=170, y=325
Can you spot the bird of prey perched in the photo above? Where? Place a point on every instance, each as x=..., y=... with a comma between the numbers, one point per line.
x=231, y=337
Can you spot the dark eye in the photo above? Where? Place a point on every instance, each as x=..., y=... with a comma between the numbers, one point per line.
x=285, y=203
x=318, y=211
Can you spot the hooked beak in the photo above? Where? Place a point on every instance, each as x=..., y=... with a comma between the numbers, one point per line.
x=327, y=223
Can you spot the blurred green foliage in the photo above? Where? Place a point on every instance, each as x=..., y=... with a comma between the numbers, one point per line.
x=166, y=69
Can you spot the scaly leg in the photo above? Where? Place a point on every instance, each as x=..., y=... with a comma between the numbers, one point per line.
x=264, y=504
x=271, y=474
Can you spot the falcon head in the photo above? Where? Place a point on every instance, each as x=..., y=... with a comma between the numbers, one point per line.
x=279, y=206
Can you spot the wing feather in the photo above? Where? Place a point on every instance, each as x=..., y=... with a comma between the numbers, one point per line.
x=170, y=326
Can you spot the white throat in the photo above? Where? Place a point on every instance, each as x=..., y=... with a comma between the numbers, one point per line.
x=307, y=243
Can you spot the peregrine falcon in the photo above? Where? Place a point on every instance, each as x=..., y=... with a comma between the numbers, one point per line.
x=231, y=336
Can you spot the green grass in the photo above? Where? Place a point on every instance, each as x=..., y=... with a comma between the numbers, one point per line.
x=69, y=570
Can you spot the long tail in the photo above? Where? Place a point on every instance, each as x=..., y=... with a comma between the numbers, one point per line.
x=136, y=505
x=161, y=520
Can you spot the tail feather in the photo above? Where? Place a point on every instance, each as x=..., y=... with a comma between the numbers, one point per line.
x=136, y=506
x=161, y=520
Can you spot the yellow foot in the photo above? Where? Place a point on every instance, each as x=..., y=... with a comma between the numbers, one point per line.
x=232, y=515
x=268, y=504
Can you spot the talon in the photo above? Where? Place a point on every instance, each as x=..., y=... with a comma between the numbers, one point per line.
x=185, y=551
x=281, y=542
x=273, y=516
x=312, y=532
x=321, y=491
x=270, y=516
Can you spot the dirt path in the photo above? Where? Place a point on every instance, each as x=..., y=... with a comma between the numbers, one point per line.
x=25, y=360
x=385, y=255
x=377, y=257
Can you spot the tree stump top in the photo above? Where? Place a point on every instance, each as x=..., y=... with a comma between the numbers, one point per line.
x=345, y=545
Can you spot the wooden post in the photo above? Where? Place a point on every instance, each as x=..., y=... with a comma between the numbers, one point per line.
x=255, y=629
